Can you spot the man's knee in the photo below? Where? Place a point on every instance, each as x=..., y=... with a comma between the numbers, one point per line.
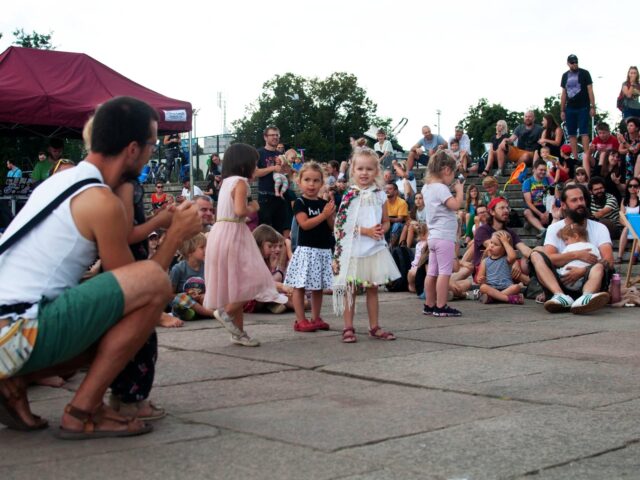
x=156, y=282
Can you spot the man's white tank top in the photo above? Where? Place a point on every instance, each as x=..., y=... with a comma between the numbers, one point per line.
x=54, y=255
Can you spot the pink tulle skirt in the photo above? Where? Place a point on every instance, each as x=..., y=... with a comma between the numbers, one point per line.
x=234, y=269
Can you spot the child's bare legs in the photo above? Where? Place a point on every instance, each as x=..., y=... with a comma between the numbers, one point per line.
x=372, y=306
x=430, y=288
x=623, y=243
x=349, y=310
x=411, y=280
x=316, y=304
x=298, y=300
x=501, y=296
x=442, y=290
x=234, y=310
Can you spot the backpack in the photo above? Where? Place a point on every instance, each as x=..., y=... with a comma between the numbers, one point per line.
x=403, y=257
x=620, y=100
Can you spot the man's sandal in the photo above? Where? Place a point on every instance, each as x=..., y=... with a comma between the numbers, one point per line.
x=379, y=334
x=91, y=421
x=349, y=335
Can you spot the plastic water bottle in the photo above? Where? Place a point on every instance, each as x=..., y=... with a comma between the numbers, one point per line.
x=616, y=294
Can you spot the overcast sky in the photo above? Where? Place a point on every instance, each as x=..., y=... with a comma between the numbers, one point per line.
x=411, y=58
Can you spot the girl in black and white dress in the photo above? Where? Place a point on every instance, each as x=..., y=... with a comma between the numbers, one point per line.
x=310, y=267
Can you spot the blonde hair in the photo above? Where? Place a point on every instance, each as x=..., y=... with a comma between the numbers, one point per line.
x=574, y=229
x=314, y=167
x=439, y=161
x=422, y=230
x=362, y=142
x=370, y=153
x=86, y=133
x=490, y=181
x=190, y=246
x=503, y=126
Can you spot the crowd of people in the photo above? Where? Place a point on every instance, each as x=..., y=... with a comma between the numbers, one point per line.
x=112, y=273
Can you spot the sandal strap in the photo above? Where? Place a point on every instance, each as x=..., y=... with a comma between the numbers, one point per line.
x=91, y=419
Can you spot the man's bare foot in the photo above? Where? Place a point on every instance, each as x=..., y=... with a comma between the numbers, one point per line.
x=99, y=422
x=14, y=406
x=54, y=381
x=169, y=321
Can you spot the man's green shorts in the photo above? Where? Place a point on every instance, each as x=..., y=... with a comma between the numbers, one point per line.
x=74, y=321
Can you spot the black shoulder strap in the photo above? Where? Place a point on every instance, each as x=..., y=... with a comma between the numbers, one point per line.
x=42, y=214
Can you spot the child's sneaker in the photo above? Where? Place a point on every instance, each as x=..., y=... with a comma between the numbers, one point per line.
x=226, y=321
x=304, y=326
x=320, y=324
x=473, y=294
x=446, y=311
x=427, y=310
x=244, y=340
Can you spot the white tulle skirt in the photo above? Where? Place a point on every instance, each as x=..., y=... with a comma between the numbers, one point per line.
x=376, y=269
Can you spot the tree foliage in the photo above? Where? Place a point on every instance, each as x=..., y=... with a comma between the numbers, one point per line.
x=318, y=115
x=480, y=121
x=33, y=40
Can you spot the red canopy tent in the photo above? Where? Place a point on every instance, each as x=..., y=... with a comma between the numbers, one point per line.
x=52, y=93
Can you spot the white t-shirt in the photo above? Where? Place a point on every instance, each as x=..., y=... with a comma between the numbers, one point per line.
x=574, y=247
x=598, y=235
x=400, y=184
x=385, y=147
x=421, y=215
x=186, y=193
x=442, y=221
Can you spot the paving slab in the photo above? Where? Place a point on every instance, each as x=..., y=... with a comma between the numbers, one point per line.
x=330, y=421
x=184, y=367
x=502, y=373
x=228, y=456
x=622, y=464
x=606, y=319
x=280, y=344
x=41, y=446
x=494, y=334
x=251, y=390
x=612, y=347
x=504, y=446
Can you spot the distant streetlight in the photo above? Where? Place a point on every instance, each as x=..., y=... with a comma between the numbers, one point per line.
x=438, y=113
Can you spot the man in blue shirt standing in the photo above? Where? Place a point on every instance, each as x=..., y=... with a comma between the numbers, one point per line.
x=426, y=146
x=12, y=170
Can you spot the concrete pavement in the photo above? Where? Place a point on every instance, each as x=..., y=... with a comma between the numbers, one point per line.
x=503, y=392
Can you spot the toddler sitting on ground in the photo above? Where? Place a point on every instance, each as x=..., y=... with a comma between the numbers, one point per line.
x=494, y=274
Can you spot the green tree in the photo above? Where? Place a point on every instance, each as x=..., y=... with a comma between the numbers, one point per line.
x=480, y=122
x=33, y=40
x=315, y=114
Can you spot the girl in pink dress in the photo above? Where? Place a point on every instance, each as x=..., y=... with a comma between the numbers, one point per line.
x=234, y=269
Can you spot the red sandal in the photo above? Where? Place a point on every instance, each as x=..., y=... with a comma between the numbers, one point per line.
x=349, y=335
x=380, y=334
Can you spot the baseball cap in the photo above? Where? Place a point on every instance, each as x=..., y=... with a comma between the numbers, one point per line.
x=572, y=59
x=565, y=148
